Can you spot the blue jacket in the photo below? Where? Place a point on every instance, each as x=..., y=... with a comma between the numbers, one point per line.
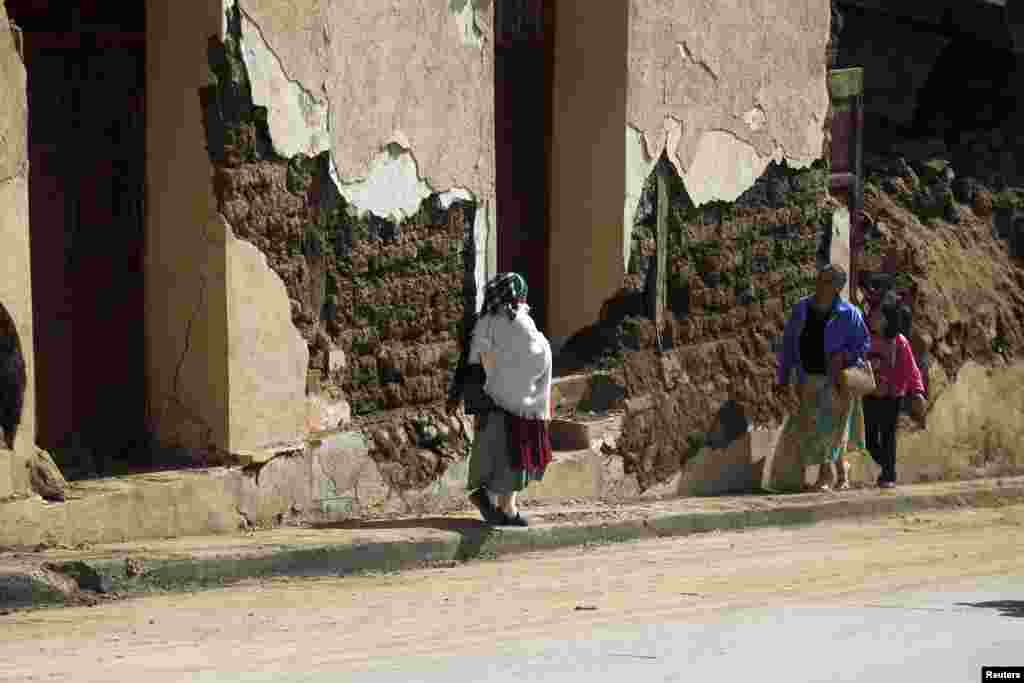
x=845, y=330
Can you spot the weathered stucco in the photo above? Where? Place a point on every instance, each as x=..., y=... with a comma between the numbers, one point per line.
x=418, y=81
x=588, y=162
x=186, y=325
x=726, y=87
x=267, y=355
x=338, y=156
x=15, y=270
x=226, y=366
x=421, y=119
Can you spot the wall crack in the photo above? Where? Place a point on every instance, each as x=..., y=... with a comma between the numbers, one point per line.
x=262, y=36
x=684, y=50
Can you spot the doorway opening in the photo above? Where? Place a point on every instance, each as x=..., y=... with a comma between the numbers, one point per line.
x=523, y=72
x=86, y=74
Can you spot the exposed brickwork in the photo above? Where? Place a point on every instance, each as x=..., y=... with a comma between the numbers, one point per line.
x=734, y=271
x=379, y=303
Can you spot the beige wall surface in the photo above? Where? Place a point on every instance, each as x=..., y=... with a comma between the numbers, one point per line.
x=15, y=262
x=725, y=86
x=186, y=302
x=419, y=73
x=267, y=355
x=588, y=161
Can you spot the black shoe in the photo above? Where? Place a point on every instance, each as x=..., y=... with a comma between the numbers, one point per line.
x=482, y=502
x=518, y=520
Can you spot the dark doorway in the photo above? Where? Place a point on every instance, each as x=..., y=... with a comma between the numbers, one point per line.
x=524, y=48
x=86, y=75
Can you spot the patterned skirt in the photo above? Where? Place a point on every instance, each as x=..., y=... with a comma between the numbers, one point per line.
x=827, y=423
x=489, y=463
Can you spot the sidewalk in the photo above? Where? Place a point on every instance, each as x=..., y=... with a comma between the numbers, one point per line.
x=63, y=576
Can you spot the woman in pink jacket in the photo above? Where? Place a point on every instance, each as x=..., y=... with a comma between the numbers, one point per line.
x=897, y=376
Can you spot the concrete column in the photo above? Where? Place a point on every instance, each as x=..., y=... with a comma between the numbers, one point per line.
x=185, y=262
x=588, y=161
x=15, y=261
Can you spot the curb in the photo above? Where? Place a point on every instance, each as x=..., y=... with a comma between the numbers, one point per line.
x=56, y=584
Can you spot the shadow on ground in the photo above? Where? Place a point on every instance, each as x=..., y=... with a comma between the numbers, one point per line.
x=473, y=533
x=1006, y=608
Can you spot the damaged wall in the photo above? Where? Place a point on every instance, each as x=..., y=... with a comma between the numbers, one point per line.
x=186, y=316
x=733, y=100
x=15, y=263
x=213, y=339
x=723, y=90
x=368, y=191
x=735, y=270
x=726, y=88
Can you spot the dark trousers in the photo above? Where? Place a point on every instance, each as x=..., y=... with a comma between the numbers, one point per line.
x=880, y=417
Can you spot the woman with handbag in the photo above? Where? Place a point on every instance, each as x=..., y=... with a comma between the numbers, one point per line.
x=824, y=344
x=504, y=379
x=898, y=377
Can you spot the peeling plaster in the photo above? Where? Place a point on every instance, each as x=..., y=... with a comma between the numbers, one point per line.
x=392, y=189
x=455, y=195
x=465, y=13
x=723, y=167
x=639, y=165
x=298, y=120
x=756, y=119
x=485, y=240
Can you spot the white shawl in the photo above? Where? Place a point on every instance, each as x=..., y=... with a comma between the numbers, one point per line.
x=517, y=359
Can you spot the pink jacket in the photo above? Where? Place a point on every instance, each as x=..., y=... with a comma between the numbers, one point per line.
x=895, y=369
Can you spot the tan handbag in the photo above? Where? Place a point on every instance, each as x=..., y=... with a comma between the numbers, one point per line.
x=859, y=380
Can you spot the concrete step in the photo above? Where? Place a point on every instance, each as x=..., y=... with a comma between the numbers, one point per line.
x=581, y=432
x=595, y=392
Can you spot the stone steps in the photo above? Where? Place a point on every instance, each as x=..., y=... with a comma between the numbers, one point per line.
x=582, y=432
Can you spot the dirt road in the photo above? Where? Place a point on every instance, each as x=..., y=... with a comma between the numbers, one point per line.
x=360, y=624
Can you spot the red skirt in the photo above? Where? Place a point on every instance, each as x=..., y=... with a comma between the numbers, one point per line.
x=529, y=443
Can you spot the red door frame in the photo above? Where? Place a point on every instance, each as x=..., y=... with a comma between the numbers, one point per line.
x=524, y=33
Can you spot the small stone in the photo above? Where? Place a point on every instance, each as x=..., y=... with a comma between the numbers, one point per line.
x=336, y=360
x=133, y=567
x=85, y=576
x=45, y=477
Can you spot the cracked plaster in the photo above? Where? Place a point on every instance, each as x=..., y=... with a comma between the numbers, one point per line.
x=426, y=100
x=298, y=120
x=421, y=87
x=713, y=66
x=392, y=189
x=15, y=262
x=465, y=14
x=723, y=89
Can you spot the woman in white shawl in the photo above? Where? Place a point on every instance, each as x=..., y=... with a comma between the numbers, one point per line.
x=512, y=446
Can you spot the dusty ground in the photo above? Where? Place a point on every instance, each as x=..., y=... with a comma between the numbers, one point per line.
x=360, y=623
